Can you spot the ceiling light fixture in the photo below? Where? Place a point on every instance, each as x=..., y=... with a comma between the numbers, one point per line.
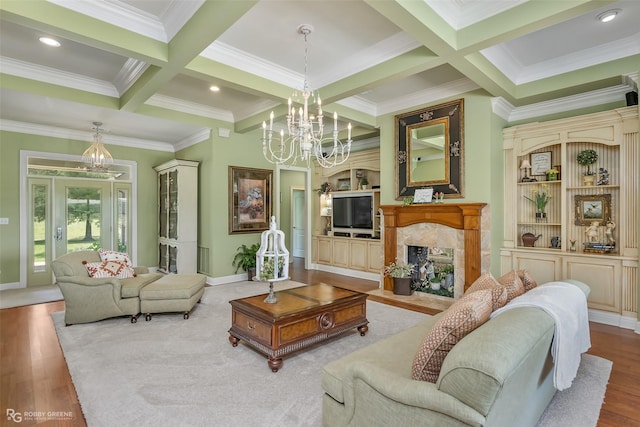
x=305, y=132
x=609, y=15
x=97, y=156
x=214, y=88
x=49, y=41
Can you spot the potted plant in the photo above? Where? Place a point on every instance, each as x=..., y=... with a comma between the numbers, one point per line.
x=401, y=274
x=587, y=158
x=552, y=174
x=540, y=199
x=325, y=188
x=245, y=258
x=364, y=182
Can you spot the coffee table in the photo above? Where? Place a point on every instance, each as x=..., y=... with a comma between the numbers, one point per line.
x=302, y=317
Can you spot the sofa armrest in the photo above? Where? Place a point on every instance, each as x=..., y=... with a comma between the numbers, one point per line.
x=420, y=394
x=90, y=281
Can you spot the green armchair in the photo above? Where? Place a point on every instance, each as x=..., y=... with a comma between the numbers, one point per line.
x=90, y=299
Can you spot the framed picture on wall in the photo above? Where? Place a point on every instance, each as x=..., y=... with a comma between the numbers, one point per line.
x=593, y=208
x=249, y=199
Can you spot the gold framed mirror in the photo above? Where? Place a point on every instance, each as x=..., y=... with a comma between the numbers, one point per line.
x=429, y=150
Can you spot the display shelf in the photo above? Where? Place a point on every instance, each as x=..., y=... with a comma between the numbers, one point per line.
x=574, y=206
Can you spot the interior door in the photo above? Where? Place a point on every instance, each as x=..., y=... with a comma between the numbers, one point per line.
x=39, y=234
x=298, y=223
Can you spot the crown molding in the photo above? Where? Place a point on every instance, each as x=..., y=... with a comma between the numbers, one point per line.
x=54, y=76
x=197, y=137
x=119, y=14
x=236, y=58
x=175, y=104
x=63, y=133
x=519, y=74
x=507, y=111
x=426, y=96
x=460, y=13
x=128, y=74
x=177, y=14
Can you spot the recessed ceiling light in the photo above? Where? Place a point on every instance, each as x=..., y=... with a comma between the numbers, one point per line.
x=49, y=41
x=609, y=15
x=214, y=88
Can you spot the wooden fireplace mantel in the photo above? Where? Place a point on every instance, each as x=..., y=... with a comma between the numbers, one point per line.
x=462, y=216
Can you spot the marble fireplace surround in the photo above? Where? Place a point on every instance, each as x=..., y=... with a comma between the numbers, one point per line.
x=461, y=226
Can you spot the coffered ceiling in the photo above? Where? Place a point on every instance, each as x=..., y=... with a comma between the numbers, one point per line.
x=134, y=64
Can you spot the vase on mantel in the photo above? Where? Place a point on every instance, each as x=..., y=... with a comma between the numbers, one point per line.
x=541, y=217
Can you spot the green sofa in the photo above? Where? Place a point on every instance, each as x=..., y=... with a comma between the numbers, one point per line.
x=501, y=374
x=90, y=299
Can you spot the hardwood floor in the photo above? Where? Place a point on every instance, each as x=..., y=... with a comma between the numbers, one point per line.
x=34, y=375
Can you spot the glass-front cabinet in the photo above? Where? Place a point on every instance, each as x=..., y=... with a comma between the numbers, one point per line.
x=571, y=205
x=178, y=216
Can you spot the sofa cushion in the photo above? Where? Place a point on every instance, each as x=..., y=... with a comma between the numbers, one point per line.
x=119, y=270
x=465, y=315
x=514, y=285
x=488, y=282
x=527, y=281
x=131, y=287
x=107, y=255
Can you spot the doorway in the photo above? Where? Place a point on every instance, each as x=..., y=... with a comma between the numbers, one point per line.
x=68, y=208
x=298, y=222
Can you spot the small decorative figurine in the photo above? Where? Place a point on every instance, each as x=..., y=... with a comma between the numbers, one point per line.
x=604, y=177
x=609, y=231
x=592, y=231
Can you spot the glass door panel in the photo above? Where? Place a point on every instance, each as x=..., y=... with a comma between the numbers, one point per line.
x=122, y=218
x=173, y=204
x=39, y=228
x=83, y=219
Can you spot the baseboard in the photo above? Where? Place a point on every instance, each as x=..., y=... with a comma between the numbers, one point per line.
x=14, y=285
x=614, y=320
x=347, y=272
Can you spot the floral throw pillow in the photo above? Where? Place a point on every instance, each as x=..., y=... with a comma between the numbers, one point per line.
x=115, y=269
x=108, y=255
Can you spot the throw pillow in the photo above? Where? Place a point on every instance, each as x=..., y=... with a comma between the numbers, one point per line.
x=115, y=269
x=465, y=315
x=527, y=280
x=488, y=282
x=514, y=285
x=108, y=255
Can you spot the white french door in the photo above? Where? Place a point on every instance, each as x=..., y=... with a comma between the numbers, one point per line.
x=67, y=215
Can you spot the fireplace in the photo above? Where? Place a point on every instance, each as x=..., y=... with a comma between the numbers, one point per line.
x=461, y=227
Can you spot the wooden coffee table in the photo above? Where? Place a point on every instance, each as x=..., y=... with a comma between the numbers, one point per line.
x=302, y=317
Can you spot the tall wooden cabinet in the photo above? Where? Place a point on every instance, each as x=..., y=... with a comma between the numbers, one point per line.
x=360, y=251
x=178, y=216
x=546, y=249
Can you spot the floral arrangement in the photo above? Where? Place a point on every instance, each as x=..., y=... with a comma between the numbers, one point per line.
x=552, y=172
x=324, y=189
x=540, y=198
x=587, y=158
x=267, y=268
x=398, y=270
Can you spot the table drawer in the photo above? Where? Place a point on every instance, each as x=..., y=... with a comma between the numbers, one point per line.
x=256, y=329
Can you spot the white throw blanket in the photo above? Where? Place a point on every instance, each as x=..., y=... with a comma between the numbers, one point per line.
x=567, y=304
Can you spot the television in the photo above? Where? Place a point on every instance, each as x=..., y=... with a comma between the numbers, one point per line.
x=352, y=213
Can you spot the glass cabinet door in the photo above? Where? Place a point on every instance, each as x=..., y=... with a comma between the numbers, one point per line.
x=173, y=204
x=163, y=202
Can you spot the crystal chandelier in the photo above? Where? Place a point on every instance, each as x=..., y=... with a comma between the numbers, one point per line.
x=97, y=156
x=305, y=132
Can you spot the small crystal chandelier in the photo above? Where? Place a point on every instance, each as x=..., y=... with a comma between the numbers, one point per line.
x=97, y=156
x=305, y=132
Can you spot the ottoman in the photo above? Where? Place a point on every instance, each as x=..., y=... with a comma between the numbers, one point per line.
x=172, y=293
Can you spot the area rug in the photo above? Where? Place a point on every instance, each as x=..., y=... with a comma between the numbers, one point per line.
x=170, y=371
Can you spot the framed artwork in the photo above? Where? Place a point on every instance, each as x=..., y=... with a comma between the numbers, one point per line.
x=344, y=184
x=430, y=150
x=249, y=199
x=592, y=208
x=540, y=163
x=423, y=195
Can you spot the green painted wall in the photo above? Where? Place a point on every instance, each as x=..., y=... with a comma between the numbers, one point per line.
x=10, y=145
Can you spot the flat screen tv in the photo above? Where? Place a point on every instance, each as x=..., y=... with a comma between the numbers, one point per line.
x=353, y=212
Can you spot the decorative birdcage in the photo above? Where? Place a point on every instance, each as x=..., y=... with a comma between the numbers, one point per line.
x=272, y=259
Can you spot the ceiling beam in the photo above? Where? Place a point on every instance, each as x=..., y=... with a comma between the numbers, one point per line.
x=210, y=21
